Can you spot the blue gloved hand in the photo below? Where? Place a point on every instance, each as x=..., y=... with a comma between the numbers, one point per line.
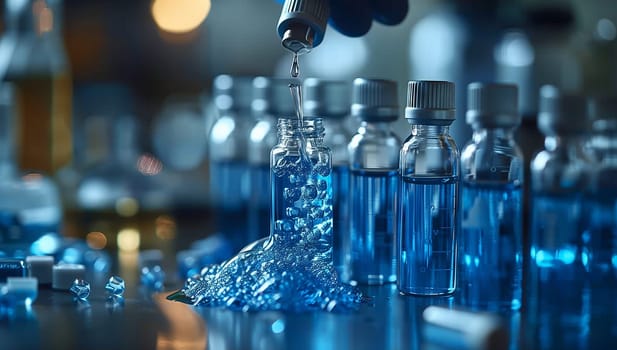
x=354, y=17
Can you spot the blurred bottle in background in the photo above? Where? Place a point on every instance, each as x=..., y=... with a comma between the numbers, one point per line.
x=33, y=58
x=227, y=150
x=114, y=171
x=490, y=241
x=331, y=101
x=271, y=97
x=602, y=214
x=602, y=236
x=30, y=207
x=558, y=298
x=539, y=48
x=180, y=141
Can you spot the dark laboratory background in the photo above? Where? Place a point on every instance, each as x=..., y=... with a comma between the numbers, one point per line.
x=136, y=79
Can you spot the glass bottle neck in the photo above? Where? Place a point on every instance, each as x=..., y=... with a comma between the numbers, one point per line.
x=290, y=129
x=564, y=143
x=374, y=126
x=488, y=134
x=429, y=131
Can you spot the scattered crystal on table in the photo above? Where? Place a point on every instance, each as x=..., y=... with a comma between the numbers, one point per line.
x=80, y=288
x=115, y=286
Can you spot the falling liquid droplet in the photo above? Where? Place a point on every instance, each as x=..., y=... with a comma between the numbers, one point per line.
x=295, y=67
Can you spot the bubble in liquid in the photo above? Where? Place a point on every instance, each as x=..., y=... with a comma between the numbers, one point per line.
x=322, y=185
x=292, y=212
x=292, y=194
x=309, y=192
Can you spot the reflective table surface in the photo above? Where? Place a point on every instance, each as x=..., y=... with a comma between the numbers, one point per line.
x=388, y=320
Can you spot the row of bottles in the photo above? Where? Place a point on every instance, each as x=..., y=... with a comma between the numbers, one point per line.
x=418, y=213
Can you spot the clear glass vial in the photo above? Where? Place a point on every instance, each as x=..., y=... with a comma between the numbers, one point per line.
x=330, y=100
x=373, y=162
x=301, y=187
x=490, y=239
x=428, y=195
x=558, y=291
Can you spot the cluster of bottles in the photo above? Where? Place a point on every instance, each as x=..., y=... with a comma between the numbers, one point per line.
x=417, y=212
x=285, y=188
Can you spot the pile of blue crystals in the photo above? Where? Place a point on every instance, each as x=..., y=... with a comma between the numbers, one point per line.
x=291, y=269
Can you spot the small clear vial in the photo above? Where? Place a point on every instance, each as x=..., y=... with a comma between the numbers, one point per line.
x=271, y=99
x=302, y=187
x=373, y=163
x=428, y=195
x=330, y=100
x=490, y=240
x=227, y=146
x=558, y=259
x=603, y=218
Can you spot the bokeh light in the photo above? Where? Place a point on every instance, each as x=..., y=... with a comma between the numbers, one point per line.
x=165, y=227
x=128, y=240
x=179, y=16
x=148, y=164
x=127, y=206
x=96, y=240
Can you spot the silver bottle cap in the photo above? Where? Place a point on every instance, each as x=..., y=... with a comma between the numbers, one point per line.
x=430, y=102
x=326, y=98
x=562, y=113
x=273, y=96
x=232, y=93
x=492, y=105
x=302, y=24
x=374, y=100
x=603, y=112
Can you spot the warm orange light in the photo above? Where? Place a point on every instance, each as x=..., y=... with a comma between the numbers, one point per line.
x=179, y=16
x=184, y=328
x=96, y=240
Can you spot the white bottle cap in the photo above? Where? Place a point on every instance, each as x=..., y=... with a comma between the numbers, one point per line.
x=41, y=267
x=65, y=274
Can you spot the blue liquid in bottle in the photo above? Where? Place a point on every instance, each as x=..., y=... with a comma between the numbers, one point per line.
x=302, y=209
x=260, y=198
x=228, y=189
x=372, y=225
x=560, y=292
x=491, y=262
x=602, y=238
x=340, y=207
x=428, y=223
